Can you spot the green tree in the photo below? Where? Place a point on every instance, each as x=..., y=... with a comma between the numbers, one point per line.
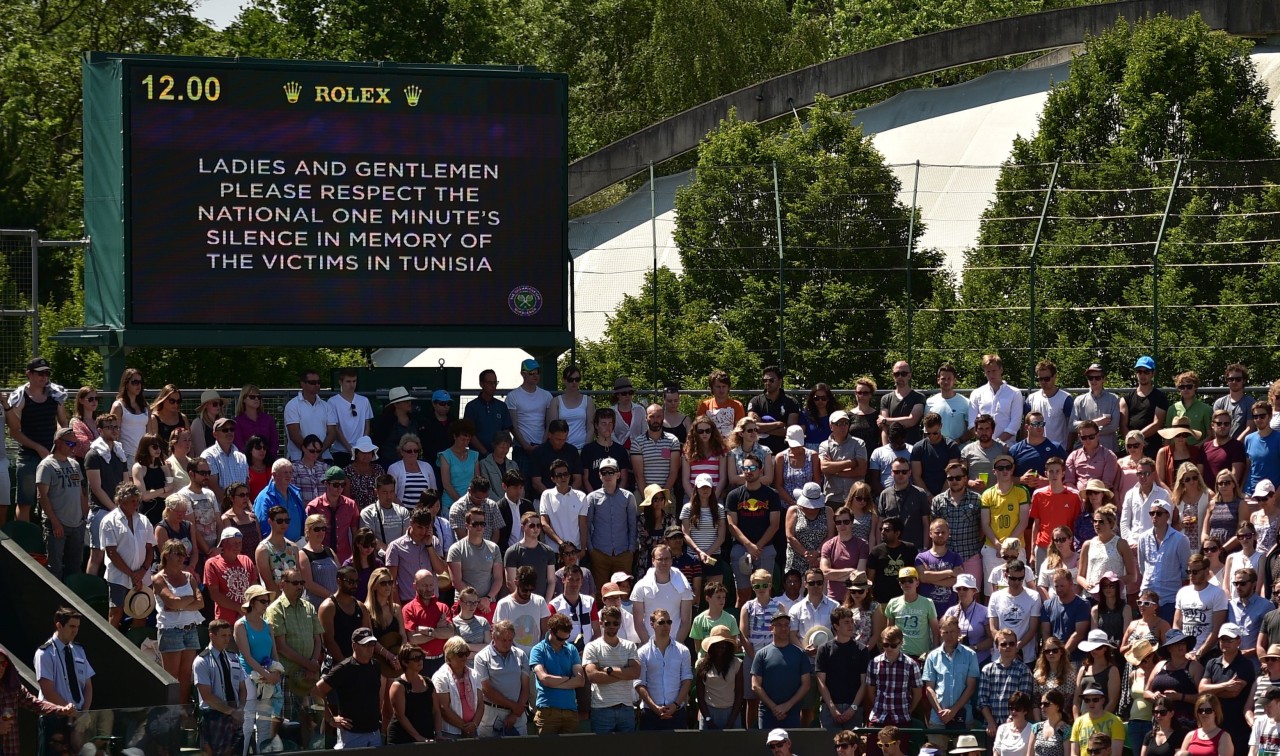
x=845, y=239
x=1138, y=99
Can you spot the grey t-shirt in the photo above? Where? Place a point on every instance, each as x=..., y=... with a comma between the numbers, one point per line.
x=980, y=460
x=539, y=557
x=837, y=488
x=503, y=671
x=477, y=563
x=65, y=486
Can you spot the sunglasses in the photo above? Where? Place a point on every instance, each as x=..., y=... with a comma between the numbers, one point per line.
x=819, y=582
x=1007, y=644
x=954, y=478
x=1092, y=699
x=1147, y=602
x=893, y=645
x=320, y=529
x=663, y=623
x=1061, y=539
x=1204, y=711
x=282, y=521
x=1133, y=446
x=844, y=522
x=1052, y=651
x=254, y=397
x=295, y=582
x=1003, y=468
x=1090, y=437
x=704, y=431
x=759, y=586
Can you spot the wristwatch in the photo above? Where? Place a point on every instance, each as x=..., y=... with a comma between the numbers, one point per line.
x=608, y=670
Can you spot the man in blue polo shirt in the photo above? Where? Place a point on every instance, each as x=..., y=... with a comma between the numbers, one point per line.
x=557, y=668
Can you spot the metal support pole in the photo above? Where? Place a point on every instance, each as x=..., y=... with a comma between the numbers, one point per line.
x=573, y=319
x=777, y=205
x=1035, y=247
x=911, y=246
x=653, y=227
x=1155, y=266
x=35, y=294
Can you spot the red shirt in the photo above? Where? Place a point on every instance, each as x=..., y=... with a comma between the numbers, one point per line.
x=343, y=521
x=232, y=579
x=418, y=616
x=1053, y=510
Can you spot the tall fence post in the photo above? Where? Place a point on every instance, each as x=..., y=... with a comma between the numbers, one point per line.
x=653, y=228
x=1155, y=266
x=35, y=294
x=911, y=247
x=777, y=206
x=1035, y=247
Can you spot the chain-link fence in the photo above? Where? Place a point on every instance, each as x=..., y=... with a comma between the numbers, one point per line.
x=19, y=316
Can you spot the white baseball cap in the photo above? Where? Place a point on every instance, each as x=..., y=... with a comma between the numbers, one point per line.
x=777, y=735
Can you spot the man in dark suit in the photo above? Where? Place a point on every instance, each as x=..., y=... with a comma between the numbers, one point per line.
x=513, y=507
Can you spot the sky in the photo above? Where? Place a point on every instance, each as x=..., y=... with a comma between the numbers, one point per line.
x=220, y=12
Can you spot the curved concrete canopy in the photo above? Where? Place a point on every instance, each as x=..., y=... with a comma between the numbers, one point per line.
x=894, y=62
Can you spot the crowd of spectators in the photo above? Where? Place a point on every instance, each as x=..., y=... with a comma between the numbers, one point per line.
x=1055, y=570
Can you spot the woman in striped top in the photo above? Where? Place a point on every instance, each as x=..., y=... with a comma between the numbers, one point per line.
x=704, y=454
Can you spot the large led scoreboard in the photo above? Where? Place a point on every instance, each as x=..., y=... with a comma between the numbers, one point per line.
x=369, y=204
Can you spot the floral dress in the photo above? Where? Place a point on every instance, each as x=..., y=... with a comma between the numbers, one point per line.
x=811, y=533
x=864, y=623
x=361, y=488
x=648, y=538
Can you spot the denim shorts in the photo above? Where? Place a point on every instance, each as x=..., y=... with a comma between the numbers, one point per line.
x=175, y=639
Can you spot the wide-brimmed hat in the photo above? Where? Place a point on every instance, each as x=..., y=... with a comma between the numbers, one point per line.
x=794, y=436
x=1139, y=650
x=810, y=496
x=611, y=589
x=139, y=602
x=397, y=395
x=965, y=580
x=621, y=383
x=251, y=593
x=364, y=444
x=652, y=490
x=1174, y=636
x=1097, y=485
x=1107, y=576
x=1096, y=639
x=1177, y=427
x=817, y=635
x=967, y=744
x=857, y=579
x=1273, y=651
x=719, y=634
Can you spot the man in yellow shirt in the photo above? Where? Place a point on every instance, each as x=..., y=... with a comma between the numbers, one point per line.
x=1004, y=514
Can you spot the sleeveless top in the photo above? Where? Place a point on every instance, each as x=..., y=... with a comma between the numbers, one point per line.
x=1168, y=747
x=133, y=426
x=415, y=483
x=40, y=421
x=153, y=478
x=164, y=431
x=863, y=622
x=678, y=431
x=259, y=645
x=1051, y=741
x=864, y=428
x=280, y=561
x=1224, y=520
x=417, y=709
x=576, y=417
x=381, y=630
x=1083, y=529
x=182, y=535
x=862, y=525
x=461, y=471
x=1104, y=559
x=811, y=533
x=251, y=531
x=1202, y=746
x=1100, y=681
x=1140, y=707
x=324, y=571
x=168, y=619
x=1112, y=621
x=737, y=454
x=1176, y=681
x=796, y=477
x=344, y=624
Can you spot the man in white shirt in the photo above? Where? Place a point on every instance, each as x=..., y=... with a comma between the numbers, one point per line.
x=666, y=589
x=1134, y=512
x=130, y=541
x=998, y=399
x=528, y=404
x=307, y=414
x=811, y=611
x=563, y=510
x=665, y=675
x=227, y=464
x=1017, y=609
x=353, y=417
x=527, y=611
x=612, y=595
x=1200, y=608
x=1054, y=404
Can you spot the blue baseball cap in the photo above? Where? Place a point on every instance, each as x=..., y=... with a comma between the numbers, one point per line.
x=530, y=365
x=1145, y=362
x=440, y=395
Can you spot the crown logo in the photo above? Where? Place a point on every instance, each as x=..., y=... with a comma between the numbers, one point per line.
x=291, y=91
x=411, y=95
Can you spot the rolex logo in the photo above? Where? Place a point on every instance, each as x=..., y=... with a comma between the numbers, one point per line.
x=291, y=91
x=411, y=95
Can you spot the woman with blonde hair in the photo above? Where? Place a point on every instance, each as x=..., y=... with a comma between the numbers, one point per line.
x=317, y=564
x=744, y=440
x=84, y=420
x=1094, y=495
x=1061, y=555
x=179, y=602
x=252, y=420
x=1106, y=552
x=704, y=453
x=1054, y=671
x=1226, y=511
x=457, y=690
x=166, y=414
x=795, y=466
x=207, y=414
x=384, y=620
x=860, y=502
x=1148, y=624
x=1135, y=446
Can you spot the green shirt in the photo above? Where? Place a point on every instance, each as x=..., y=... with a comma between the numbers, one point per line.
x=914, y=618
x=298, y=623
x=1199, y=414
x=702, y=624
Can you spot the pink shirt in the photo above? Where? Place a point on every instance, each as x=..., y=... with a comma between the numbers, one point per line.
x=843, y=555
x=1103, y=465
x=232, y=579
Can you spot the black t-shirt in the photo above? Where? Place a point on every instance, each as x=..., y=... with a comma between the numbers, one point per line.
x=1142, y=410
x=886, y=562
x=543, y=455
x=896, y=407
x=537, y=557
x=779, y=411
x=112, y=473
x=1233, y=709
x=843, y=664
x=355, y=690
x=753, y=509
x=593, y=453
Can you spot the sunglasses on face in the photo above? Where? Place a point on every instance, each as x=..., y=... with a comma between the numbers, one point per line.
x=1089, y=437
x=893, y=645
x=1147, y=602
x=954, y=478
x=759, y=586
x=844, y=522
x=1204, y=711
x=1007, y=644
x=1133, y=446
x=1093, y=699
x=1160, y=712
x=320, y=529
x=1003, y=468
x=1061, y=539
x=704, y=431
x=662, y=623
x=1052, y=651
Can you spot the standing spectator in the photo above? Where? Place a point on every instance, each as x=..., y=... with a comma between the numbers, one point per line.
x=842, y=555
x=1265, y=738
x=1225, y=452
x=64, y=675
x=663, y=588
x=556, y=447
x=412, y=699
x=808, y=525
x=1095, y=727
x=456, y=463
x=773, y=410
x=413, y=476
x=416, y=550
x=841, y=674
x=1092, y=461
x=754, y=516
x=1012, y=737
x=1105, y=552
x=1065, y=616
x=611, y=524
x=915, y=614
x=1018, y=610
x=930, y=455
x=363, y=472
x=938, y=567
x=604, y=445
x=557, y=668
x=949, y=405
x=1099, y=406
x=961, y=507
x=563, y=509
x=972, y=617
x=299, y=642
x=340, y=513
x=1208, y=735
x=716, y=595
x=997, y=399
x=1032, y=453
x=227, y=464
x=476, y=562
x=1135, y=510
x=281, y=493
x=104, y=472
x=220, y=681
x=355, y=682
x=1230, y=677
x=265, y=702
x=527, y=405
x=316, y=562
x=352, y=414
x=1162, y=552
x=907, y=502
x=719, y=681
x=527, y=611
x=893, y=683
x=512, y=508
x=843, y=459
x=427, y=622
x=655, y=454
x=385, y=517
x=1053, y=506
x=723, y=411
x=780, y=676
x=530, y=551
x=903, y=405
x=1005, y=507
x=36, y=410
x=503, y=671
x=275, y=554
x=64, y=502
x=950, y=680
x=1056, y=406
x=457, y=692
x=398, y=419
x=1201, y=608
x=252, y=421
x=308, y=415
x=129, y=542
x=578, y=607
x=1144, y=408
x=812, y=610
x=1001, y=678
x=887, y=559
x=489, y=414
x=1100, y=670
x=611, y=664
x=179, y=602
